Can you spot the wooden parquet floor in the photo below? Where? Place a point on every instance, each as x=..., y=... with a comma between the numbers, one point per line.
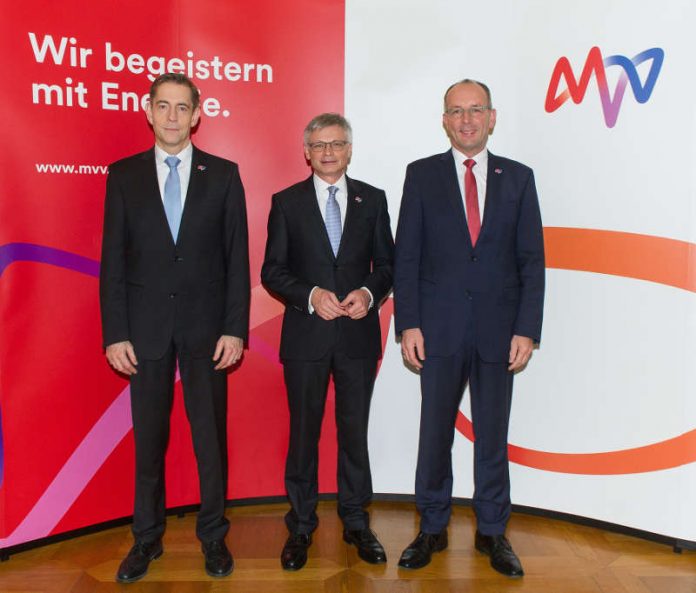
x=558, y=557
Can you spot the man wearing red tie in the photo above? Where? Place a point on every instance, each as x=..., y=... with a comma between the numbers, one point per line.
x=469, y=298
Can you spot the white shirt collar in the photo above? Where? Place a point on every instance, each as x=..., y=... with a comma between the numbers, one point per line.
x=320, y=185
x=184, y=156
x=481, y=158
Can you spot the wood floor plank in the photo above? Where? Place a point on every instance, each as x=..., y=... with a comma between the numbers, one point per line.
x=558, y=557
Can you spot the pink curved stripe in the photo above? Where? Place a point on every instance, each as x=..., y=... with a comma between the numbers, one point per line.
x=104, y=437
x=72, y=478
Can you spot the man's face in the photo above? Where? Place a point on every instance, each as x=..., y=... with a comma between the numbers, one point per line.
x=329, y=163
x=468, y=132
x=172, y=116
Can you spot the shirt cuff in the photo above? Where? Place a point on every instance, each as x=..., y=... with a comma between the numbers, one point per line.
x=372, y=299
x=310, y=309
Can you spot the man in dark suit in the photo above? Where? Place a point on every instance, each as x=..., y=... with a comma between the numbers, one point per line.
x=174, y=288
x=469, y=293
x=329, y=258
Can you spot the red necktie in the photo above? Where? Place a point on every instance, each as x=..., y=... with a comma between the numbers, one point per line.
x=473, y=218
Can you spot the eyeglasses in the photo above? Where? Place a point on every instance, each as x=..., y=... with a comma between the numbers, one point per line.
x=336, y=145
x=475, y=111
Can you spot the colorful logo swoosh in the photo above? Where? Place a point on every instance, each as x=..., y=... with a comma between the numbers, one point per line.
x=595, y=64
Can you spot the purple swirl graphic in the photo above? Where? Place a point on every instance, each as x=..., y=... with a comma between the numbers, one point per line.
x=16, y=252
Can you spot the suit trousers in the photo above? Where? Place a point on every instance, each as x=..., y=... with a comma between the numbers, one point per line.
x=205, y=401
x=307, y=383
x=443, y=380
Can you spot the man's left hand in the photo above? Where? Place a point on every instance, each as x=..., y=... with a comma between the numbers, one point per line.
x=520, y=352
x=356, y=304
x=228, y=351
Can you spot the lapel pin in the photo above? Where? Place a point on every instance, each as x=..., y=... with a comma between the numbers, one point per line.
x=201, y=167
x=498, y=171
x=358, y=199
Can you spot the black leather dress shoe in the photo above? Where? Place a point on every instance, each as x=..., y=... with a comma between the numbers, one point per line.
x=135, y=564
x=503, y=559
x=369, y=548
x=294, y=554
x=419, y=551
x=218, y=560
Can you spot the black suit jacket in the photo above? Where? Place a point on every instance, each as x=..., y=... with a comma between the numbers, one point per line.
x=151, y=287
x=299, y=257
x=454, y=291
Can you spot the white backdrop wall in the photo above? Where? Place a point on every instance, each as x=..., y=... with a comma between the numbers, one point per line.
x=615, y=368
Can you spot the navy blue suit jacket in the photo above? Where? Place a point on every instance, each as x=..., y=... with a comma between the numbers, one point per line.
x=453, y=291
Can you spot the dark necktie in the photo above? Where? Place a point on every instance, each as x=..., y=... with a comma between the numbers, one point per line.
x=473, y=218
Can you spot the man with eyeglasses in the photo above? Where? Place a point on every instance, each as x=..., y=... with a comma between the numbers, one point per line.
x=469, y=298
x=329, y=258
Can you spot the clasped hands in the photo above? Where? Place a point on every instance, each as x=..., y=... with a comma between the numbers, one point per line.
x=328, y=307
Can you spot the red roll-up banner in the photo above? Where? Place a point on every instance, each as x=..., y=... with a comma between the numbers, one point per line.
x=76, y=76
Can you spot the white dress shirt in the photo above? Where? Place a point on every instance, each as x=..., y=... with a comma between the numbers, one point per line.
x=183, y=168
x=480, y=170
x=321, y=188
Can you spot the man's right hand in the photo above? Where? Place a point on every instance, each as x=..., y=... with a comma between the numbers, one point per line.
x=121, y=356
x=326, y=304
x=413, y=347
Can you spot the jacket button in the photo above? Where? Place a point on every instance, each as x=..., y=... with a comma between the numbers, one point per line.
x=172, y=295
x=474, y=258
x=178, y=259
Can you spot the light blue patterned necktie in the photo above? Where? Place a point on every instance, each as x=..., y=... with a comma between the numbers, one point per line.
x=172, y=196
x=333, y=219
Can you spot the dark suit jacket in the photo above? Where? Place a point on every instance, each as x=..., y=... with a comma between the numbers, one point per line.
x=150, y=287
x=453, y=291
x=299, y=257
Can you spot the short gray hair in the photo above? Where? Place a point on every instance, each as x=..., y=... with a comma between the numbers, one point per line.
x=470, y=81
x=326, y=120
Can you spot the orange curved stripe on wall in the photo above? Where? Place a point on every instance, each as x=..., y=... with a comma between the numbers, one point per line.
x=649, y=458
x=643, y=257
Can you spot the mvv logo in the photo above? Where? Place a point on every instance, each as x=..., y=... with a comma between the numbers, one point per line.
x=594, y=64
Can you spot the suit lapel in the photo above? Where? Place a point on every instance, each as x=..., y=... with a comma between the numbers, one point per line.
x=195, y=192
x=452, y=191
x=493, y=187
x=352, y=205
x=315, y=220
x=154, y=206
